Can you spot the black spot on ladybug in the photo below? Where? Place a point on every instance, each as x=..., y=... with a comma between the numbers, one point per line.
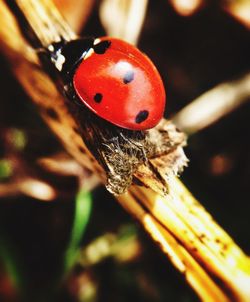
x=101, y=47
x=52, y=114
x=129, y=76
x=141, y=116
x=98, y=97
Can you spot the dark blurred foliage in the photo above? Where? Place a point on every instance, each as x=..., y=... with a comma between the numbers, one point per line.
x=193, y=55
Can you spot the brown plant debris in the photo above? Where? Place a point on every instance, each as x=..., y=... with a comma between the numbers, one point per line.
x=122, y=152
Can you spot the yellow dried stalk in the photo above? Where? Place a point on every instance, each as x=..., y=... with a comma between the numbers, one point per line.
x=123, y=18
x=195, y=275
x=212, y=263
x=194, y=242
x=76, y=12
x=213, y=105
x=239, y=9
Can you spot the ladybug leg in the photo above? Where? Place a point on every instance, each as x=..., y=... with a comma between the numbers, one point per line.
x=115, y=142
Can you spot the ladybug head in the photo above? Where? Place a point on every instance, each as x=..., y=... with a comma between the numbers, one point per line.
x=66, y=55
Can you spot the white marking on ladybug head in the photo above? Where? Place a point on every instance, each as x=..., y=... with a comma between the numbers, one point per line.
x=89, y=53
x=51, y=48
x=98, y=40
x=56, y=57
x=60, y=61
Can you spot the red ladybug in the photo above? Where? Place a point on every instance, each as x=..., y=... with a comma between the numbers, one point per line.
x=120, y=84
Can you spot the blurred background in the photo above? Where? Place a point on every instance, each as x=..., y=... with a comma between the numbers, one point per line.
x=59, y=244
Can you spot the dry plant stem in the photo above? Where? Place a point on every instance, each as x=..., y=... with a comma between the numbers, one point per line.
x=115, y=13
x=239, y=9
x=60, y=164
x=195, y=244
x=47, y=23
x=75, y=12
x=195, y=275
x=213, y=105
x=30, y=187
x=27, y=181
x=195, y=230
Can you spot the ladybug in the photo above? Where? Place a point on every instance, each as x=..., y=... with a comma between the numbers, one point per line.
x=113, y=79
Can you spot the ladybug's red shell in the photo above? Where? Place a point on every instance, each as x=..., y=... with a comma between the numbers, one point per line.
x=121, y=85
